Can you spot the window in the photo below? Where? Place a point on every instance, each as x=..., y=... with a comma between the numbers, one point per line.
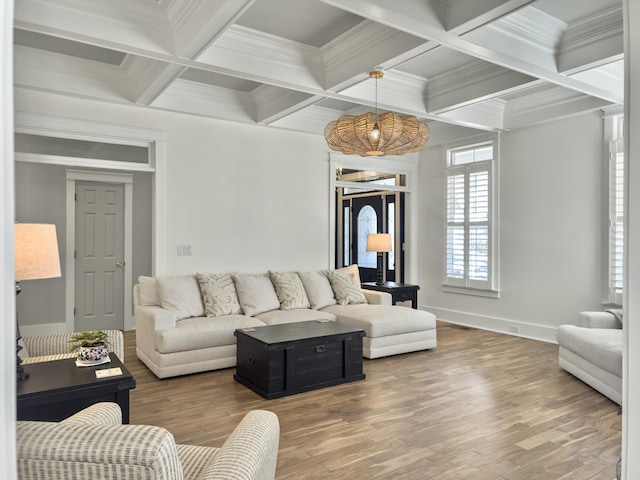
x=616, y=208
x=469, y=229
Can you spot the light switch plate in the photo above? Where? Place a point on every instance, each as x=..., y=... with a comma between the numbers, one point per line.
x=184, y=250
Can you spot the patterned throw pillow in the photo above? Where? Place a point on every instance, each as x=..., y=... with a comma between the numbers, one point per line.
x=290, y=290
x=219, y=294
x=346, y=288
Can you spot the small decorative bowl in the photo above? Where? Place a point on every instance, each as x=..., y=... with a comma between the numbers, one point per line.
x=92, y=354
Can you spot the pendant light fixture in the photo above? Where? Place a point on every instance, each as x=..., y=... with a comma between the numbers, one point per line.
x=374, y=134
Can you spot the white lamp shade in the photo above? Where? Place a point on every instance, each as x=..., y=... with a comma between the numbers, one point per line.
x=379, y=242
x=36, y=251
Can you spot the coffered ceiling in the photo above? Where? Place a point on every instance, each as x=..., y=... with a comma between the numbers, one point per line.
x=298, y=64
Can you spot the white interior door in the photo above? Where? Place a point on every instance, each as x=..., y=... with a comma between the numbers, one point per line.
x=99, y=256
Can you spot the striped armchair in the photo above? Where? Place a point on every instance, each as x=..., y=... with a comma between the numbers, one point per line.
x=93, y=444
x=44, y=348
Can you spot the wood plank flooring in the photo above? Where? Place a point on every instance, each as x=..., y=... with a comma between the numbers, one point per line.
x=480, y=406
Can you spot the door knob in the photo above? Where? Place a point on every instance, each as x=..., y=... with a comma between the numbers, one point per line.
x=119, y=264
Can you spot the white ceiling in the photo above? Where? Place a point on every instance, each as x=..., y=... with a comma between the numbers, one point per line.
x=298, y=64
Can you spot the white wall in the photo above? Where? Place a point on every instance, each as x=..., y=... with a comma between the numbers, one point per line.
x=551, y=221
x=246, y=198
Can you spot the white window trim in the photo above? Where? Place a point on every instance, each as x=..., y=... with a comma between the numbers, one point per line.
x=493, y=289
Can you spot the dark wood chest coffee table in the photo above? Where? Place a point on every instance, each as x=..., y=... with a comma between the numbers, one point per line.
x=279, y=360
x=57, y=389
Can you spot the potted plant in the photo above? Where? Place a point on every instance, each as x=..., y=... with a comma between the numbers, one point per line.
x=92, y=347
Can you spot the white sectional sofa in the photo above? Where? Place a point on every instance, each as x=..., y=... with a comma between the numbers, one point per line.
x=186, y=324
x=592, y=351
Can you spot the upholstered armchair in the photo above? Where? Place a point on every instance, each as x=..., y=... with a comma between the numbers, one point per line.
x=43, y=348
x=94, y=444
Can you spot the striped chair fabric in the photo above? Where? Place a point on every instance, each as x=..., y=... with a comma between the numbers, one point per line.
x=44, y=348
x=93, y=444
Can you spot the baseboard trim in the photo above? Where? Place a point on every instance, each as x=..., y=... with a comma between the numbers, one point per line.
x=516, y=328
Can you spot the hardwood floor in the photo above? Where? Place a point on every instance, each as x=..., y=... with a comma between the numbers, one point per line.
x=480, y=406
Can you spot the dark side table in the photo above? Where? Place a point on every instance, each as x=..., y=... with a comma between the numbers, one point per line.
x=400, y=292
x=57, y=389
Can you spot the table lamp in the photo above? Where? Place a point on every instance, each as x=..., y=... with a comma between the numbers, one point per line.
x=37, y=257
x=380, y=243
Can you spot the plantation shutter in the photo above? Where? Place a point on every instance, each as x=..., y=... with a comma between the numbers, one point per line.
x=468, y=225
x=616, y=222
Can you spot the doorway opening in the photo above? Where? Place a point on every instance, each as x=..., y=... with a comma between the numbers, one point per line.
x=369, y=202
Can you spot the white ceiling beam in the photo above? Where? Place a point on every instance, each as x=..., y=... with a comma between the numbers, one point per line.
x=548, y=103
x=368, y=45
x=592, y=41
x=486, y=115
x=208, y=101
x=470, y=83
x=198, y=23
x=118, y=24
x=466, y=15
x=274, y=103
x=149, y=78
x=412, y=17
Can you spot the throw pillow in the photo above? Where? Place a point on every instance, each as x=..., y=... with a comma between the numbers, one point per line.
x=181, y=295
x=318, y=289
x=290, y=290
x=346, y=288
x=219, y=294
x=148, y=290
x=256, y=293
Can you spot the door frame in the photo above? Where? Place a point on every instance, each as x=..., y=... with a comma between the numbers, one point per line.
x=125, y=179
x=407, y=166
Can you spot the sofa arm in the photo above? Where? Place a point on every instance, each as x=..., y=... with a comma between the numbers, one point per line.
x=598, y=320
x=102, y=413
x=250, y=452
x=377, y=298
x=71, y=450
x=154, y=317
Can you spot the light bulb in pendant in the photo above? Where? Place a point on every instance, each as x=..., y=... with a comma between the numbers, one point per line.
x=375, y=132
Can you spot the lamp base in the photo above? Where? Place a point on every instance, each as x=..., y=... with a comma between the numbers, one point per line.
x=21, y=374
x=379, y=274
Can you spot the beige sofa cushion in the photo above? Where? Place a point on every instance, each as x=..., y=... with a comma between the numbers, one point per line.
x=290, y=290
x=256, y=293
x=318, y=289
x=181, y=295
x=383, y=320
x=276, y=317
x=202, y=332
x=219, y=294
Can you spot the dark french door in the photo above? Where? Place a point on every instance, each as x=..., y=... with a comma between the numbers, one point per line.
x=365, y=214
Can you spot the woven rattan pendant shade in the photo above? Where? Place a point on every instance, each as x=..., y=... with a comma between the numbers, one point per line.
x=396, y=135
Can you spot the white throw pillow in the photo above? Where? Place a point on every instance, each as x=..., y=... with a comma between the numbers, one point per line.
x=290, y=290
x=181, y=295
x=148, y=290
x=219, y=294
x=346, y=288
x=318, y=289
x=256, y=293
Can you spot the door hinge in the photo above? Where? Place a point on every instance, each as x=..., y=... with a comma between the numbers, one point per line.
x=74, y=254
x=74, y=311
x=75, y=197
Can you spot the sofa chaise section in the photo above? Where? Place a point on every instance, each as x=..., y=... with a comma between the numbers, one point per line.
x=592, y=351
